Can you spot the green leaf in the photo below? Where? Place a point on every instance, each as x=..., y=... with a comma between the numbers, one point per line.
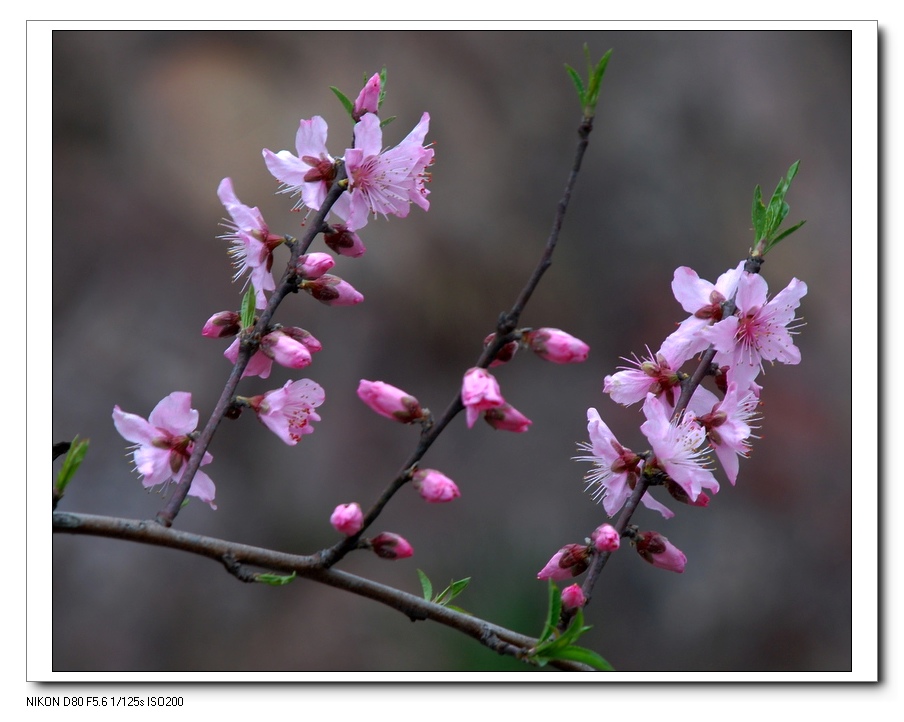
x=276, y=580
x=758, y=215
x=387, y=121
x=248, y=307
x=382, y=92
x=584, y=656
x=73, y=460
x=781, y=236
x=452, y=591
x=578, y=83
x=426, y=586
x=346, y=103
x=554, y=609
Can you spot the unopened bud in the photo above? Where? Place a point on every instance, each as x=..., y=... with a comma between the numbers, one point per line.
x=343, y=241
x=605, y=538
x=368, y=99
x=389, y=401
x=314, y=265
x=434, y=486
x=347, y=519
x=557, y=346
x=568, y=562
x=507, y=418
x=224, y=323
x=573, y=597
x=503, y=355
x=659, y=551
x=332, y=291
x=391, y=546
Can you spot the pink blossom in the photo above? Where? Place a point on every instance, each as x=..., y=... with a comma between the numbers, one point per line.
x=557, y=346
x=389, y=401
x=384, y=182
x=605, y=538
x=479, y=392
x=313, y=265
x=391, y=546
x=759, y=330
x=289, y=411
x=163, y=444
x=568, y=562
x=704, y=301
x=347, y=519
x=259, y=365
x=285, y=350
x=368, y=99
x=252, y=242
x=312, y=171
x=224, y=323
x=434, y=486
x=507, y=418
x=659, y=551
x=616, y=468
x=679, y=448
x=573, y=597
x=652, y=375
x=728, y=426
x=343, y=241
x=332, y=291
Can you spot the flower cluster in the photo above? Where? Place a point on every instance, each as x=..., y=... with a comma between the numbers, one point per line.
x=734, y=320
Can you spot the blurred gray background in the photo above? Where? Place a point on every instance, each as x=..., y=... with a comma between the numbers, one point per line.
x=145, y=126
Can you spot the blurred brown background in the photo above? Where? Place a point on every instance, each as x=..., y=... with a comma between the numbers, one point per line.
x=145, y=126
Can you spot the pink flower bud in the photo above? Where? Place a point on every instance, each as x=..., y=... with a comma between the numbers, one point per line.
x=347, y=519
x=224, y=323
x=568, y=562
x=573, y=597
x=285, y=350
x=503, y=355
x=659, y=551
x=507, y=418
x=332, y=291
x=344, y=242
x=314, y=265
x=605, y=538
x=391, y=546
x=368, y=99
x=434, y=486
x=557, y=346
x=389, y=401
x=479, y=391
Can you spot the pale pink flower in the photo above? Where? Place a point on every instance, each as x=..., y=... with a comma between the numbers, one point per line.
x=479, y=392
x=313, y=265
x=507, y=418
x=435, y=486
x=259, y=365
x=659, y=551
x=390, y=401
x=605, y=538
x=573, y=597
x=384, y=182
x=343, y=241
x=310, y=173
x=391, y=546
x=286, y=350
x=347, y=519
x=679, y=447
x=553, y=344
x=568, y=562
x=616, y=468
x=368, y=99
x=163, y=444
x=224, y=323
x=289, y=411
x=332, y=291
x=728, y=427
x=652, y=375
x=252, y=243
x=759, y=330
x=704, y=301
